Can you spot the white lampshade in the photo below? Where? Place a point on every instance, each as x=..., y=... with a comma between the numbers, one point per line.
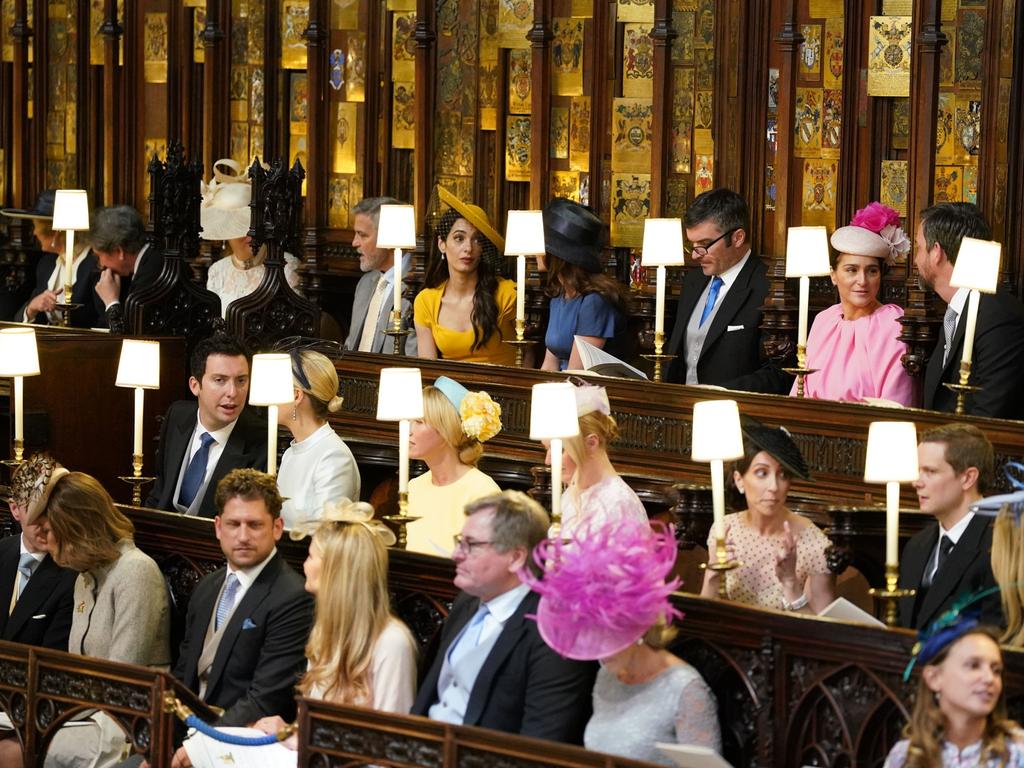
x=892, y=452
x=139, y=365
x=271, y=381
x=807, y=252
x=553, y=411
x=525, y=233
x=70, y=210
x=663, y=243
x=977, y=265
x=716, y=431
x=396, y=227
x=400, y=394
x=18, y=353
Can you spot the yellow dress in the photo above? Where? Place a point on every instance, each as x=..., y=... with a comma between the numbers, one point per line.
x=457, y=345
x=440, y=509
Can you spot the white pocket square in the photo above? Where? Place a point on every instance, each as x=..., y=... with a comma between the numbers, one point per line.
x=729, y=328
x=40, y=616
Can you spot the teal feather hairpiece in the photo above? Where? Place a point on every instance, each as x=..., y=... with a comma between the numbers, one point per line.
x=949, y=627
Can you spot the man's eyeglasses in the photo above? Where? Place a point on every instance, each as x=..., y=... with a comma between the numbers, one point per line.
x=702, y=250
x=467, y=546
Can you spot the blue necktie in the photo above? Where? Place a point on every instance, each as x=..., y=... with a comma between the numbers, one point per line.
x=227, y=600
x=716, y=286
x=195, y=472
x=26, y=566
x=470, y=638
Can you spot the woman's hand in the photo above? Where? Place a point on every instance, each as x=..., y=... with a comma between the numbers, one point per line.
x=785, y=564
x=273, y=726
x=44, y=302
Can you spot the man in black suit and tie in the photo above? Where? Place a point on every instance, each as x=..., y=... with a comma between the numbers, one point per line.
x=128, y=263
x=997, y=365
x=247, y=623
x=492, y=668
x=200, y=445
x=39, y=594
x=950, y=558
x=717, y=335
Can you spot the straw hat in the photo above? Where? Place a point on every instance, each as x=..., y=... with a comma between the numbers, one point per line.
x=475, y=215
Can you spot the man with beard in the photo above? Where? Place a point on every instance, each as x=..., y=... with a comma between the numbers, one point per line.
x=997, y=366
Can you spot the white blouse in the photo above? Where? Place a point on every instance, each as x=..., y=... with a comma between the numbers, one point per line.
x=319, y=469
x=230, y=283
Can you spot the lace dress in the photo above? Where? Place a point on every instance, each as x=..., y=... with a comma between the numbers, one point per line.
x=677, y=707
x=969, y=757
x=230, y=283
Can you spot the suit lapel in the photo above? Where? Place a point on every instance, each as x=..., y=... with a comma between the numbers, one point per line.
x=8, y=571
x=234, y=455
x=733, y=302
x=176, y=449
x=507, y=641
x=947, y=579
x=36, y=592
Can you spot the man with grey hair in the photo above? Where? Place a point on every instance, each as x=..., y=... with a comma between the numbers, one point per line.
x=119, y=242
x=492, y=668
x=374, y=296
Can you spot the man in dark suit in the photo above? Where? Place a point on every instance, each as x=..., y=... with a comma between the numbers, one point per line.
x=717, y=334
x=950, y=558
x=492, y=668
x=199, y=446
x=247, y=623
x=38, y=593
x=998, y=360
x=128, y=263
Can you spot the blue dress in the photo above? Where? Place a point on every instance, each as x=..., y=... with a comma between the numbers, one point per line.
x=587, y=315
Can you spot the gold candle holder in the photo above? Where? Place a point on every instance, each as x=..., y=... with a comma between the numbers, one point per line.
x=962, y=388
x=801, y=371
x=397, y=331
x=136, y=480
x=520, y=342
x=19, y=455
x=402, y=519
x=658, y=358
x=892, y=594
x=65, y=310
x=721, y=565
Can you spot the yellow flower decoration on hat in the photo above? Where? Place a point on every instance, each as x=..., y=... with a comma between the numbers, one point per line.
x=481, y=416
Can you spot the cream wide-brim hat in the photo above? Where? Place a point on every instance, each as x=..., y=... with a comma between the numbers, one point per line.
x=858, y=241
x=225, y=213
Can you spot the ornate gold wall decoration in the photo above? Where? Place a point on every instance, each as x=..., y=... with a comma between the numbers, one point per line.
x=515, y=18
x=346, y=124
x=294, y=20
x=637, y=61
x=355, y=67
x=632, y=131
x=894, y=185
x=517, y=148
x=154, y=47
x=403, y=123
x=403, y=48
x=567, y=56
x=636, y=10
x=889, y=56
x=579, y=133
x=630, y=207
x=519, y=84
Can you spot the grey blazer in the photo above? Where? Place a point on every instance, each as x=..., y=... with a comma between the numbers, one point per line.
x=361, y=303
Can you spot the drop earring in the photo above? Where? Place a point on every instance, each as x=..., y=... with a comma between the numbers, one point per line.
x=295, y=413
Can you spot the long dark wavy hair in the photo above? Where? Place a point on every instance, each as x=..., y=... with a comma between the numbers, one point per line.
x=564, y=275
x=485, y=309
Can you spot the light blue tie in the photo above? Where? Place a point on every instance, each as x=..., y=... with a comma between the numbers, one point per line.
x=470, y=637
x=716, y=286
x=195, y=472
x=26, y=566
x=227, y=600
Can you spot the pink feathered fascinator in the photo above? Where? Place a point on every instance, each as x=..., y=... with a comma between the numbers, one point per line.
x=874, y=231
x=602, y=592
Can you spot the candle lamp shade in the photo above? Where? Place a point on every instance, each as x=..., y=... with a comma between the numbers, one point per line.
x=139, y=366
x=663, y=243
x=271, y=382
x=18, y=353
x=70, y=210
x=892, y=452
x=553, y=411
x=716, y=431
x=977, y=265
x=396, y=227
x=525, y=234
x=807, y=252
x=400, y=394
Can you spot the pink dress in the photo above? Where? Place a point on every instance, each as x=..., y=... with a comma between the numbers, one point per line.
x=603, y=503
x=857, y=358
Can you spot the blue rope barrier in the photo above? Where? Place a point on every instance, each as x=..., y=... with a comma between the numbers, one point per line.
x=239, y=741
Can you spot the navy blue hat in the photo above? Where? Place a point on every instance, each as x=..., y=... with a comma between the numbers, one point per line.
x=573, y=233
x=43, y=209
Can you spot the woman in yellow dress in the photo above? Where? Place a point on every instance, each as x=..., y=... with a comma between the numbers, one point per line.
x=448, y=439
x=466, y=311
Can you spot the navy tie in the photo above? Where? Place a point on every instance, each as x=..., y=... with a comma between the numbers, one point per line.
x=716, y=286
x=195, y=472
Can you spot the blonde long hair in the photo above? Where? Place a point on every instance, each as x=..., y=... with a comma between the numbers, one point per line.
x=440, y=414
x=593, y=423
x=352, y=610
x=927, y=725
x=1008, y=568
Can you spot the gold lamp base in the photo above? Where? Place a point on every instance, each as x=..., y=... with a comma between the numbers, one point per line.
x=801, y=371
x=402, y=519
x=136, y=480
x=962, y=388
x=721, y=566
x=891, y=595
x=520, y=343
x=658, y=357
x=18, y=453
x=65, y=313
x=397, y=331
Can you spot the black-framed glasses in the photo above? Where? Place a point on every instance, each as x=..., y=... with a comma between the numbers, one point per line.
x=702, y=250
x=468, y=546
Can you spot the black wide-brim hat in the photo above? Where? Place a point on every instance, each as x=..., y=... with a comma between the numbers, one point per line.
x=43, y=209
x=777, y=442
x=573, y=233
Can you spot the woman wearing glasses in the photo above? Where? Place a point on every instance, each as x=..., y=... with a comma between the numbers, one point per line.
x=584, y=301
x=317, y=467
x=854, y=345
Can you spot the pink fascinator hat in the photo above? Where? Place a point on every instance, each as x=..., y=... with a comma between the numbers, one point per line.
x=602, y=592
x=875, y=231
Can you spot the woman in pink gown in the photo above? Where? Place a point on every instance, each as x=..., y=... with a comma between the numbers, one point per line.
x=854, y=345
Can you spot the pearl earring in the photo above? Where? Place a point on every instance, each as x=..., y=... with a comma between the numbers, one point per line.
x=295, y=413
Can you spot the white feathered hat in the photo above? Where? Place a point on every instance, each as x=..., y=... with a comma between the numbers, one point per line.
x=224, y=213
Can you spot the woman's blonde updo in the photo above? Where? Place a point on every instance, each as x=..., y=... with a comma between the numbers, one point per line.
x=322, y=376
x=439, y=413
x=594, y=423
